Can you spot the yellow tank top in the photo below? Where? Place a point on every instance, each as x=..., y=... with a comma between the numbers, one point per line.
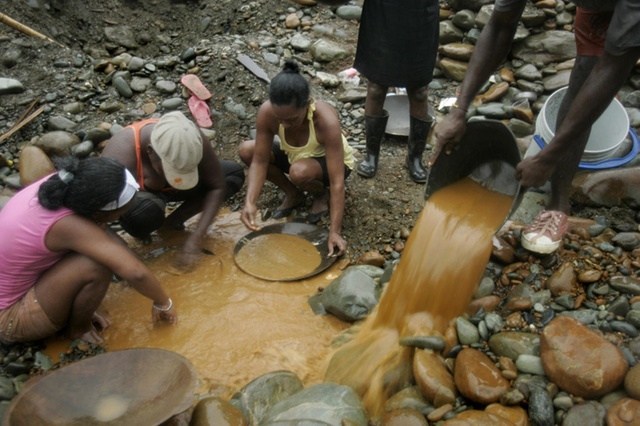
x=313, y=148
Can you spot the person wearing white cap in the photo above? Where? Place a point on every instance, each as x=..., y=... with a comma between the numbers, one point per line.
x=57, y=259
x=173, y=161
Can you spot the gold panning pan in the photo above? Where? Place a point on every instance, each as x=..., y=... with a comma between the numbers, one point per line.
x=131, y=386
x=288, y=251
x=488, y=154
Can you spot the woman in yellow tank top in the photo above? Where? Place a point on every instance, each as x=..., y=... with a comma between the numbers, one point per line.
x=312, y=155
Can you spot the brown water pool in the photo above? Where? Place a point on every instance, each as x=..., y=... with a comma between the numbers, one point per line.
x=232, y=327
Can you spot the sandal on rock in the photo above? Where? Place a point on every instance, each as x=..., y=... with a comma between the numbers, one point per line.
x=200, y=111
x=195, y=86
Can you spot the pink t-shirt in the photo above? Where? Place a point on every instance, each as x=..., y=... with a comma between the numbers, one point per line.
x=24, y=224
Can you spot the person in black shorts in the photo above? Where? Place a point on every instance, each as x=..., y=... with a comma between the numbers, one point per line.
x=397, y=47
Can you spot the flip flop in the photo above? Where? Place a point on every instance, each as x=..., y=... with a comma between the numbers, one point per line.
x=314, y=218
x=200, y=111
x=195, y=86
x=281, y=213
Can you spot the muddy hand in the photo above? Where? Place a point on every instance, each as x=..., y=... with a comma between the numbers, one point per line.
x=248, y=217
x=335, y=240
x=186, y=260
x=171, y=316
x=448, y=135
x=533, y=172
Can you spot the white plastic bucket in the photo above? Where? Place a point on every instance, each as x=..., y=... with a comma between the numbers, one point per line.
x=608, y=133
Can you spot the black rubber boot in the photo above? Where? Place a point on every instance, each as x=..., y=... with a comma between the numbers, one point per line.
x=418, y=133
x=374, y=127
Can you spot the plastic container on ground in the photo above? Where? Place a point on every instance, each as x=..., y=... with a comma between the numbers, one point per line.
x=611, y=143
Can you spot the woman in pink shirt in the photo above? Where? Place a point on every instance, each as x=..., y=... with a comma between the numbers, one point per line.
x=57, y=259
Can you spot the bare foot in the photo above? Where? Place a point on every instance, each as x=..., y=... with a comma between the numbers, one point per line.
x=90, y=336
x=101, y=319
x=320, y=203
x=292, y=201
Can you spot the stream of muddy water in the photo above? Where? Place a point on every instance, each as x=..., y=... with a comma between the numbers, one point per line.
x=232, y=327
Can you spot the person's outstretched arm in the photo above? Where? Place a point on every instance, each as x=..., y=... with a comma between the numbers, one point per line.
x=259, y=165
x=490, y=51
x=85, y=237
x=595, y=95
x=212, y=179
x=330, y=136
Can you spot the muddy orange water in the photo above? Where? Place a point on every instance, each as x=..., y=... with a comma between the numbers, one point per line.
x=232, y=327
x=434, y=281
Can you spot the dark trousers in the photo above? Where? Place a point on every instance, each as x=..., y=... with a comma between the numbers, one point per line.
x=147, y=213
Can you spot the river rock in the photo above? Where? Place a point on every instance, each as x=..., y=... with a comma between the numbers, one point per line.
x=477, y=418
x=625, y=412
x=121, y=35
x=608, y=188
x=562, y=281
x=372, y=257
x=512, y=344
x=57, y=143
x=502, y=251
x=256, y=398
x=477, y=378
x=10, y=86
x=546, y=47
x=433, y=378
x=449, y=33
x=404, y=418
x=487, y=303
x=585, y=414
x=326, y=403
x=495, y=92
x=624, y=284
x=34, y=165
x=408, y=398
x=326, y=51
x=579, y=360
x=464, y=19
x=589, y=276
x=540, y=408
x=457, y=51
x=452, y=69
x=351, y=296
x=632, y=382
x=516, y=415
x=216, y=411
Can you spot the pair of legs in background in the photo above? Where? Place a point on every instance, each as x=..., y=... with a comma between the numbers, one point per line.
x=376, y=118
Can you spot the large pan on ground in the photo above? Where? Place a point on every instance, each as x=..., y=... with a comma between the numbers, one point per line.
x=488, y=154
x=313, y=234
x=132, y=386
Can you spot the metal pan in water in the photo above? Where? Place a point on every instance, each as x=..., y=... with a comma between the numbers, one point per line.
x=315, y=235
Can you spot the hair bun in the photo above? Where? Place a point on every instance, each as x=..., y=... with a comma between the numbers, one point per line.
x=291, y=66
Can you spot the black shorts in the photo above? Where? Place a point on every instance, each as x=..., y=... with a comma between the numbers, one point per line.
x=147, y=213
x=282, y=163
